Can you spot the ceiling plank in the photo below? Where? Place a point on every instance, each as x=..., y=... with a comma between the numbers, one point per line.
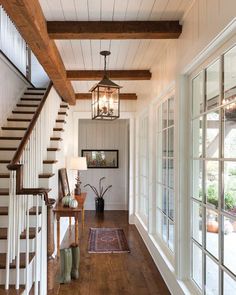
x=94, y=75
x=123, y=96
x=30, y=21
x=114, y=29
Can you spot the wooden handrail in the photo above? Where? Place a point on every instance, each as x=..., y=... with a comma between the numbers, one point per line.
x=16, y=158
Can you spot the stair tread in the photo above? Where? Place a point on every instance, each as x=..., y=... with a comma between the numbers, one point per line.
x=5, y=161
x=18, y=120
x=58, y=129
x=23, y=112
x=64, y=106
x=36, y=88
x=4, y=191
x=50, y=161
x=32, y=98
x=14, y=128
x=10, y=137
x=52, y=149
x=8, y=148
x=56, y=138
x=46, y=175
x=27, y=105
x=4, y=211
x=13, y=264
x=33, y=93
x=62, y=113
x=11, y=290
x=60, y=121
x=4, y=175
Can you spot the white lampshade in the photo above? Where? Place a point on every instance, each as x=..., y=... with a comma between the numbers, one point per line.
x=77, y=163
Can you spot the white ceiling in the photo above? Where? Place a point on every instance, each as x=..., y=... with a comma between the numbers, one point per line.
x=125, y=54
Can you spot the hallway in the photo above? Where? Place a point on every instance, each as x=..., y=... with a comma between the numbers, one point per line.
x=114, y=274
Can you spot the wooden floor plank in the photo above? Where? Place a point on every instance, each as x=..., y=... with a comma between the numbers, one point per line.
x=115, y=274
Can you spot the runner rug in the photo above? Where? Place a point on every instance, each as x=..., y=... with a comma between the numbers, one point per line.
x=107, y=240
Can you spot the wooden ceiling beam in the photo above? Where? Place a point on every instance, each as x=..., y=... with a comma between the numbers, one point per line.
x=113, y=74
x=30, y=21
x=123, y=96
x=114, y=29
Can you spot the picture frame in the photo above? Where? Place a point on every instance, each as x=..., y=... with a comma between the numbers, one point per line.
x=101, y=159
x=63, y=182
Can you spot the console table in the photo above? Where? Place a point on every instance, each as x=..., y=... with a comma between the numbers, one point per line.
x=62, y=211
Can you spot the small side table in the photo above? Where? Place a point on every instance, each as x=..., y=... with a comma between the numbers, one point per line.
x=62, y=211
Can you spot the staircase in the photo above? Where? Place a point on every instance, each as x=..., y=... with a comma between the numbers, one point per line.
x=23, y=233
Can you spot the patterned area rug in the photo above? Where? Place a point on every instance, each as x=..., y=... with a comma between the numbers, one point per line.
x=107, y=240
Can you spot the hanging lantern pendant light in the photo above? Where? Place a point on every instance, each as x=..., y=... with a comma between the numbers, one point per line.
x=105, y=96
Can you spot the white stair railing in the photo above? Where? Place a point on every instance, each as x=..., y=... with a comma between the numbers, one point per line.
x=27, y=212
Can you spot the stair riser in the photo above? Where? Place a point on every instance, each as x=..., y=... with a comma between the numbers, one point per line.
x=13, y=133
x=3, y=168
x=4, y=201
x=46, y=182
x=32, y=220
x=55, y=143
x=25, y=109
x=59, y=125
x=6, y=154
x=22, y=116
x=17, y=124
x=63, y=110
x=52, y=155
x=49, y=168
x=28, y=101
x=8, y=143
x=4, y=182
x=58, y=134
x=35, y=90
x=12, y=277
x=61, y=117
x=34, y=95
x=3, y=245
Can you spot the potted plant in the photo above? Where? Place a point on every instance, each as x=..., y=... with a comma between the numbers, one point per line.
x=100, y=193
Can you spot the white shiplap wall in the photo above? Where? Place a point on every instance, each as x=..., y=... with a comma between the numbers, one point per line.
x=106, y=135
x=12, y=86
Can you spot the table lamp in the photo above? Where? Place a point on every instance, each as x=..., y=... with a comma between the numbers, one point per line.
x=79, y=164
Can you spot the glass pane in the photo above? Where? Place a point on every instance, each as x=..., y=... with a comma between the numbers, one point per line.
x=171, y=204
x=164, y=114
x=159, y=119
x=171, y=112
x=229, y=125
x=171, y=236
x=164, y=200
x=159, y=196
x=171, y=142
x=212, y=85
x=159, y=222
x=197, y=179
x=164, y=227
x=159, y=145
x=230, y=71
x=164, y=180
x=197, y=222
x=229, y=244
x=212, y=230
x=212, y=135
x=171, y=173
x=230, y=187
x=197, y=265
x=164, y=143
x=159, y=169
x=212, y=277
x=229, y=285
x=212, y=182
x=197, y=137
x=198, y=95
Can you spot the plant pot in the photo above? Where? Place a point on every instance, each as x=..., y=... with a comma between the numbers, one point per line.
x=99, y=202
x=212, y=226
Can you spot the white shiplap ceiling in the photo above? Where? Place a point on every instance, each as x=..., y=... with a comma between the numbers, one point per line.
x=125, y=54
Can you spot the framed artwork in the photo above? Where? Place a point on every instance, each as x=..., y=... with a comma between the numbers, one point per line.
x=63, y=181
x=101, y=158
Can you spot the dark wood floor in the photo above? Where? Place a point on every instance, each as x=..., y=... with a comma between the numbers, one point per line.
x=112, y=274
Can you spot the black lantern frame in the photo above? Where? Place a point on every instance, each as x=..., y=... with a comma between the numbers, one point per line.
x=105, y=97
